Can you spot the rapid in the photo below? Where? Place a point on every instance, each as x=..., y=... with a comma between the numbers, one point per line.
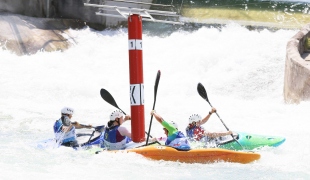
x=241, y=69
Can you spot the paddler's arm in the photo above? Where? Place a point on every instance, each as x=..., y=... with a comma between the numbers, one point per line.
x=171, y=129
x=124, y=131
x=218, y=134
x=157, y=116
x=205, y=119
x=79, y=126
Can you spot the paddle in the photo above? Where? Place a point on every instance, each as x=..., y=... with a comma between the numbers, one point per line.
x=109, y=99
x=155, y=93
x=97, y=128
x=203, y=93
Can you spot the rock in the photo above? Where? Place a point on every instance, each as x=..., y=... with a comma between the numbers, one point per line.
x=27, y=35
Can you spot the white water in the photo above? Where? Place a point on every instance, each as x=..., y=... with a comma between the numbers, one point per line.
x=242, y=71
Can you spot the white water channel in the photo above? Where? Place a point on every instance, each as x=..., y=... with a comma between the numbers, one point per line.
x=242, y=71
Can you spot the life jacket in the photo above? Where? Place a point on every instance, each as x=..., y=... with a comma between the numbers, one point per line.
x=195, y=132
x=178, y=141
x=63, y=137
x=113, y=140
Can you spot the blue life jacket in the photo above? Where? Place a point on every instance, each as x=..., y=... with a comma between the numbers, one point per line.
x=113, y=140
x=178, y=141
x=62, y=137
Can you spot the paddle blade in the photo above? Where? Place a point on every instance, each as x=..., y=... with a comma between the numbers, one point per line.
x=202, y=91
x=156, y=83
x=108, y=97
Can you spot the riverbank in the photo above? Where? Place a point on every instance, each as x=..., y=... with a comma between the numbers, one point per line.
x=253, y=17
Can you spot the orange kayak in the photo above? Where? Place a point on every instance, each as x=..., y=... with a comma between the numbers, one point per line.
x=209, y=155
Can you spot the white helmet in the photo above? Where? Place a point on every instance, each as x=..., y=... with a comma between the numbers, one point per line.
x=116, y=114
x=194, y=118
x=67, y=110
x=173, y=124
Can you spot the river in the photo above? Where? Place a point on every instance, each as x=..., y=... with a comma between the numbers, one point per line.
x=241, y=69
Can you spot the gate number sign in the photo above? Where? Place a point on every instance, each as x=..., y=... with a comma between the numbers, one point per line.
x=135, y=44
x=136, y=94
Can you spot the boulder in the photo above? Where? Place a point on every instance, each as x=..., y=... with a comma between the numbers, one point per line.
x=25, y=35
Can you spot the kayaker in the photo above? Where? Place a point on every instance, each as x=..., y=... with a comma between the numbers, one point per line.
x=196, y=132
x=115, y=135
x=175, y=138
x=64, y=129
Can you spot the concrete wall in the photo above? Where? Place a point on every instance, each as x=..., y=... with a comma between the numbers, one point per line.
x=297, y=67
x=67, y=9
x=26, y=7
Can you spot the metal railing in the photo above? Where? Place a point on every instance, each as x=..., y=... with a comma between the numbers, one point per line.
x=125, y=12
x=144, y=3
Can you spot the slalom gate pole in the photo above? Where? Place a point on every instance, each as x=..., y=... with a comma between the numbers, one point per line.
x=136, y=78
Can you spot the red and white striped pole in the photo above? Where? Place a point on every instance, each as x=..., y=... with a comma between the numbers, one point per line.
x=136, y=77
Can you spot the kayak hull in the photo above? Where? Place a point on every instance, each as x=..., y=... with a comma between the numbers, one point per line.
x=251, y=141
x=86, y=138
x=204, y=156
x=166, y=153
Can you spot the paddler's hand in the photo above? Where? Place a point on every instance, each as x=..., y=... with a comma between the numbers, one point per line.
x=153, y=139
x=213, y=110
x=127, y=117
x=87, y=126
x=153, y=112
x=78, y=125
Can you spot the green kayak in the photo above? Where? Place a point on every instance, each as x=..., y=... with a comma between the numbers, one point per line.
x=249, y=141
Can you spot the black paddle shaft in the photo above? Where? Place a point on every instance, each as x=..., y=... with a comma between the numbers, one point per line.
x=203, y=93
x=155, y=94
